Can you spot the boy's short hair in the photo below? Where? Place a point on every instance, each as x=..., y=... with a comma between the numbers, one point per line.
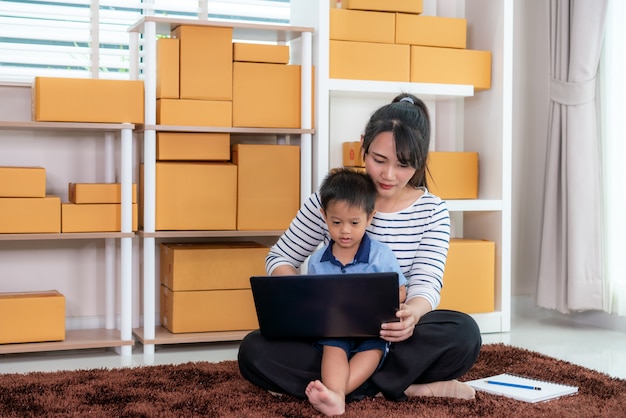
x=351, y=186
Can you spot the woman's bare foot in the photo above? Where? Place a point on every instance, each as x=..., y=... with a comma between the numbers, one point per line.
x=324, y=400
x=447, y=389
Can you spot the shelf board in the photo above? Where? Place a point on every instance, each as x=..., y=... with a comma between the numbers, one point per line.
x=65, y=126
x=163, y=336
x=241, y=30
x=222, y=129
x=384, y=89
x=65, y=235
x=209, y=234
x=471, y=205
x=74, y=340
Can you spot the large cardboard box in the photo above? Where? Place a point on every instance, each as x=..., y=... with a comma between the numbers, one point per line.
x=208, y=310
x=447, y=32
x=29, y=317
x=98, y=193
x=211, y=266
x=266, y=95
x=22, y=182
x=451, y=66
x=94, y=217
x=194, y=112
x=167, y=68
x=469, y=278
x=206, y=62
x=352, y=155
x=268, y=185
x=402, y=6
x=453, y=175
x=267, y=53
x=369, y=61
x=362, y=26
x=191, y=146
x=30, y=215
x=196, y=196
x=87, y=100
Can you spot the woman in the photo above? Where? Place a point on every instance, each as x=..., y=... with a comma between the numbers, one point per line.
x=430, y=348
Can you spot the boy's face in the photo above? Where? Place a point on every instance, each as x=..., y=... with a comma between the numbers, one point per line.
x=346, y=224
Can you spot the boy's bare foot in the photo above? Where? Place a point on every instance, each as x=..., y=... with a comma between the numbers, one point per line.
x=447, y=389
x=324, y=400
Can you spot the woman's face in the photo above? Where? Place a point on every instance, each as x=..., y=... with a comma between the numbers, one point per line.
x=381, y=163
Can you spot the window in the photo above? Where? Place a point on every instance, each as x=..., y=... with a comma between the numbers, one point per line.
x=57, y=38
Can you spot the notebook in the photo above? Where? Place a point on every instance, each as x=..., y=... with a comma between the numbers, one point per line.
x=325, y=305
x=522, y=388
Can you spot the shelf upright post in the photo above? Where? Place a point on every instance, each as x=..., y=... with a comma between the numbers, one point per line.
x=109, y=243
x=126, y=250
x=306, y=146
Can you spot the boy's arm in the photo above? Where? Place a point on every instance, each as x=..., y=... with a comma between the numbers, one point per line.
x=402, y=293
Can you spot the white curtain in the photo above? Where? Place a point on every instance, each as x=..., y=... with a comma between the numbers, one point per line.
x=613, y=123
x=571, y=253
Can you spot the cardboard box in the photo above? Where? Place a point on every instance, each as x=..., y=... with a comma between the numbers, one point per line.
x=208, y=310
x=206, y=62
x=30, y=215
x=402, y=6
x=29, y=317
x=266, y=95
x=352, y=156
x=447, y=32
x=453, y=175
x=94, y=217
x=98, y=193
x=22, y=182
x=211, y=266
x=196, y=196
x=362, y=26
x=469, y=278
x=194, y=112
x=87, y=100
x=190, y=146
x=267, y=53
x=167, y=68
x=451, y=66
x=268, y=185
x=369, y=61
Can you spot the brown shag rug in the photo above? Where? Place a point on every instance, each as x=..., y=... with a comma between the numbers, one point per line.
x=205, y=389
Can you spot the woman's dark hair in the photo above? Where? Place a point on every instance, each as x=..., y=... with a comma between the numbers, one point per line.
x=355, y=188
x=406, y=117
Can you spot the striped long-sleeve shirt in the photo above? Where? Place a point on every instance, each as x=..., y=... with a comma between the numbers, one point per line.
x=419, y=236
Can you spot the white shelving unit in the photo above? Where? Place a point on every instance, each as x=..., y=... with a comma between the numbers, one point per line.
x=145, y=32
x=109, y=337
x=462, y=121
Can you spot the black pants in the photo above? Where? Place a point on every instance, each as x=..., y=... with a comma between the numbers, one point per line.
x=444, y=345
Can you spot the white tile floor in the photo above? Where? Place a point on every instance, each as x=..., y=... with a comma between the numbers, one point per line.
x=537, y=330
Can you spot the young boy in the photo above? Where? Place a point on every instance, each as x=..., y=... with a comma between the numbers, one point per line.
x=348, y=199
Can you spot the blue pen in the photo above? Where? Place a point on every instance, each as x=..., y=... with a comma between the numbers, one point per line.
x=513, y=385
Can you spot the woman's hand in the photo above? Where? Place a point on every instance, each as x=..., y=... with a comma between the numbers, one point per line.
x=409, y=315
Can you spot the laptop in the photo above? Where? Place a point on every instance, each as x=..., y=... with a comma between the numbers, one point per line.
x=325, y=305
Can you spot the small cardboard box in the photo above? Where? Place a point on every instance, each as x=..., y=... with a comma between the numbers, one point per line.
x=453, y=175
x=402, y=6
x=194, y=112
x=208, y=310
x=369, y=61
x=267, y=53
x=362, y=26
x=451, y=66
x=167, y=68
x=268, y=185
x=211, y=266
x=469, y=278
x=87, y=100
x=447, y=32
x=22, y=182
x=191, y=146
x=196, y=196
x=266, y=95
x=94, y=217
x=30, y=317
x=98, y=193
x=206, y=62
x=32, y=215
x=352, y=156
